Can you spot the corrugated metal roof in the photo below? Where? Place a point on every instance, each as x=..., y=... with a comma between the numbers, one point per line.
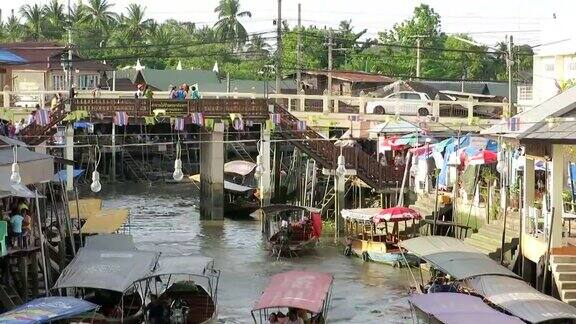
x=162, y=79
x=533, y=122
x=353, y=76
x=7, y=57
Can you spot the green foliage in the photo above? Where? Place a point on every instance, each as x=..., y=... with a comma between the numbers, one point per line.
x=99, y=32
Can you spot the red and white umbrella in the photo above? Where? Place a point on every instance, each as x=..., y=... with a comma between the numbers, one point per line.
x=483, y=157
x=396, y=214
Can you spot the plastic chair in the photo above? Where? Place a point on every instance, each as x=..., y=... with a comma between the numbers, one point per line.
x=3, y=235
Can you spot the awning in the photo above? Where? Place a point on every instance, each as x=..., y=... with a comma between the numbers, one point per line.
x=521, y=300
x=395, y=127
x=88, y=207
x=454, y=257
x=456, y=308
x=8, y=189
x=47, y=310
x=189, y=265
x=110, y=242
x=34, y=167
x=110, y=270
x=107, y=221
x=298, y=289
x=62, y=175
x=7, y=57
x=377, y=215
x=240, y=167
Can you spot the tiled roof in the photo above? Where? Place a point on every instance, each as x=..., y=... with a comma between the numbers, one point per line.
x=353, y=76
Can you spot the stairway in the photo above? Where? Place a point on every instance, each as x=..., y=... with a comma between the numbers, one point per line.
x=564, y=271
x=134, y=168
x=35, y=134
x=488, y=239
x=239, y=149
x=326, y=153
x=9, y=297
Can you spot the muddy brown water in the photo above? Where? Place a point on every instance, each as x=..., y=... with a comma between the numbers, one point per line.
x=165, y=218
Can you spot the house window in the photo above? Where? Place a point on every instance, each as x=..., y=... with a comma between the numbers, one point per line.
x=88, y=81
x=549, y=67
x=58, y=82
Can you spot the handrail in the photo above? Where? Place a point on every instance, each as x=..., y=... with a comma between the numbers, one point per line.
x=34, y=133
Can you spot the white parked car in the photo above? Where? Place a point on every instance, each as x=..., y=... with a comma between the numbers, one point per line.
x=401, y=103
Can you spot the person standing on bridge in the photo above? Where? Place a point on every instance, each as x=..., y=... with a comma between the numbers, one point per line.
x=195, y=94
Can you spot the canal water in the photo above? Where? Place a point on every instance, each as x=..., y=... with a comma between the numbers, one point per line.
x=165, y=218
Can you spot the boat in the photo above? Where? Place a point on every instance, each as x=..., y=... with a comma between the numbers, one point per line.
x=369, y=236
x=473, y=272
x=106, y=278
x=240, y=198
x=187, y=286
x=48, y=310
x=455, y=308
x=304, y=292
x=290, y=230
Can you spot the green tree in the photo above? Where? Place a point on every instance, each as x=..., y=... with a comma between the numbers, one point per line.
x=12, y=30
x=134, y=23
x=228, y=27
x=100, y=18
x=257, y=47
x=32, y=15
x=55, y=19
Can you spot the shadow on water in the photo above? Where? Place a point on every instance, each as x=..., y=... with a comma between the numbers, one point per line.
x=165, y=218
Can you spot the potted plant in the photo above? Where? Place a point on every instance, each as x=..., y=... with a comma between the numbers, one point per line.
x=537, y=209
x=515, y=197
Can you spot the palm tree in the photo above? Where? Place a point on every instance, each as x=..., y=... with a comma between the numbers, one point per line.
x=99, y=15
x=13, y=30
x=228, y=27
x=258, y=47
x=134, y=23
x=54, y=15
x=34, y=20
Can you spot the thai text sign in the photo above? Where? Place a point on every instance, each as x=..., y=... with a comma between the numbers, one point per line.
x=171, y=108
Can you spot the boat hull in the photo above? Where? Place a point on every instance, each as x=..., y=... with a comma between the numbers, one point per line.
x=380, y=253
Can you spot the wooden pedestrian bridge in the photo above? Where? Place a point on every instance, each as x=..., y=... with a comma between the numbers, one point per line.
x=256, y=110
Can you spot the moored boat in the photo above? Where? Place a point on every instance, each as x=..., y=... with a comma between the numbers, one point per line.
x=369, y=236
x=289, y=229
x=303, y=294
x=48, y=310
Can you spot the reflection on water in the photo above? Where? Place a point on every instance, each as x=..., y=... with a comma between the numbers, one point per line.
x=165, y=218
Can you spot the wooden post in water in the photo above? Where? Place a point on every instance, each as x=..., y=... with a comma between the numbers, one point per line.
x=547, y=255
x=41, y=237
x=23, y=269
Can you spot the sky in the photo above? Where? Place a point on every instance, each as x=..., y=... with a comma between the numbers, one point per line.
x=487, y=21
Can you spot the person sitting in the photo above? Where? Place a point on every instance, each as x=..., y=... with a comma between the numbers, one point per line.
x=16, y=224
x=293, y=317
x=155, y=310
x=272, y=318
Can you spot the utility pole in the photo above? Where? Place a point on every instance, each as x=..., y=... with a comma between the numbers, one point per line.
x=69, y=76
x=418, y=57
x=279, y=47
x=298, y=51
x=510, y=66
x=330, y=45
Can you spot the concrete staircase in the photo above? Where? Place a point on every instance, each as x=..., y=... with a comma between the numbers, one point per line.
x=564, y=271
x=488, y=239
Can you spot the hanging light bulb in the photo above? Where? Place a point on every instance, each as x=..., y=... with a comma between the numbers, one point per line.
x=341, y=169
x=178, y=175
x=15, y=176
x=95, y=186
x=259, y=167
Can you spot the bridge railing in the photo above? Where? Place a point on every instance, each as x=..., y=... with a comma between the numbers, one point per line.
x=294, y=102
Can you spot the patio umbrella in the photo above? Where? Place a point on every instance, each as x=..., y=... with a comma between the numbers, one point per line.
x=396, y=214
x=483, y=157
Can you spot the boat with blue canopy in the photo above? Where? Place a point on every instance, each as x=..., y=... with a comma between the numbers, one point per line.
x=47, y=310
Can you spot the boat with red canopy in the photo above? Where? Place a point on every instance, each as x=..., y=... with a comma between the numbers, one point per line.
x=305, y=293
x=373, y=234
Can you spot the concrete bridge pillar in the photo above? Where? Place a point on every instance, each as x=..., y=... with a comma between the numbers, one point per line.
x=265, y=179
x=212, y=174
x=69, y=152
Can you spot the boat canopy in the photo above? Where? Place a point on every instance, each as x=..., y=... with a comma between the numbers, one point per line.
x=47, y=310
x=189, y=265
x=298, y=289
x=274, y=209
x=104, y=269
x=456, y=308
x=110, y=242
x=227, y=184
x=106, y=221
x=521, y=300
x=454, y=257
x=240, y=167
x=377, y=215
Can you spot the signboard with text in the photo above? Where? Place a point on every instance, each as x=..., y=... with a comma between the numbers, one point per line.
x=170, y=108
